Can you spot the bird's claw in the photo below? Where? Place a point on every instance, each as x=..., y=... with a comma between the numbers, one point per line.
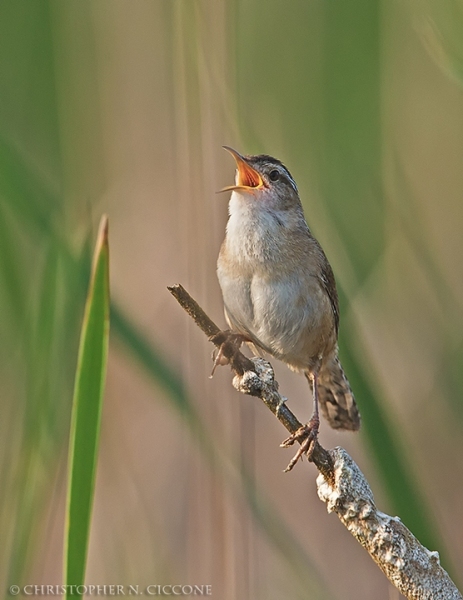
x=219, y=359
x=229, y=344
x=307, y=436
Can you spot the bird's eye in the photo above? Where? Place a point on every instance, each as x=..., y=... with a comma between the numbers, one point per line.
x=274, y=175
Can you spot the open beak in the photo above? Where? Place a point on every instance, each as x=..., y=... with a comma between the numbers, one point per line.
x=248, y=179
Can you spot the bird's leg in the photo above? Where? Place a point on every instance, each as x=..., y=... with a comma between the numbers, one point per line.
x=307, y=435
x=229, y=344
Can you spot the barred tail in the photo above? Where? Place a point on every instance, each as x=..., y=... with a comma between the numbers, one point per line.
x=337, y=402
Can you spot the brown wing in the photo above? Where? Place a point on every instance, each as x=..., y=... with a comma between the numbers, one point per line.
x=329, y=285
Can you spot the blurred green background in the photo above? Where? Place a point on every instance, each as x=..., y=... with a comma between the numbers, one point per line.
x=122, y=107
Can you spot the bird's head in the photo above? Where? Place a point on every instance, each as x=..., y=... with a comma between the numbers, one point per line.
x=263, y=177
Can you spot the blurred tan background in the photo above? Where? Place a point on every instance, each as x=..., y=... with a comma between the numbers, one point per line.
x=122, y=107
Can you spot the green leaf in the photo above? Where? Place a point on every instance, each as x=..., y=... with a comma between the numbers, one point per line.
x=86, y=413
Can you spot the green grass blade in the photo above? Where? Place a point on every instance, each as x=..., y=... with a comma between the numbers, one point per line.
x=86, y=414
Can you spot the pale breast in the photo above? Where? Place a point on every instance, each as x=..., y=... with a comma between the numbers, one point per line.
x=288, y=316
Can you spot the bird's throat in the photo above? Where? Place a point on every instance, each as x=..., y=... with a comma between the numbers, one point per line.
x=254, y=233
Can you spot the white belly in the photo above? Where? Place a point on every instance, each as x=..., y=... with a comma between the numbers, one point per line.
x=283, y=316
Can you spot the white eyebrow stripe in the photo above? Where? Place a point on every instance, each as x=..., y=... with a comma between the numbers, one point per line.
x=290, y=179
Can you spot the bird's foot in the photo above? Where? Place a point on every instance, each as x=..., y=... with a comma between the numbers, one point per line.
x=229, y=344
x=307, y=436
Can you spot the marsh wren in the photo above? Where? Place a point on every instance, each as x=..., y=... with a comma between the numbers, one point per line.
x=279, y=290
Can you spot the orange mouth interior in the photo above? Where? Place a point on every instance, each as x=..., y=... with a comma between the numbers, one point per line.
x=248, y=178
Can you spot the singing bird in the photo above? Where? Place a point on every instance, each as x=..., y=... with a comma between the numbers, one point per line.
x=279, y=290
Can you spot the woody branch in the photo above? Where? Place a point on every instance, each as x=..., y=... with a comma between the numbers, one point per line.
x=414, y=570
